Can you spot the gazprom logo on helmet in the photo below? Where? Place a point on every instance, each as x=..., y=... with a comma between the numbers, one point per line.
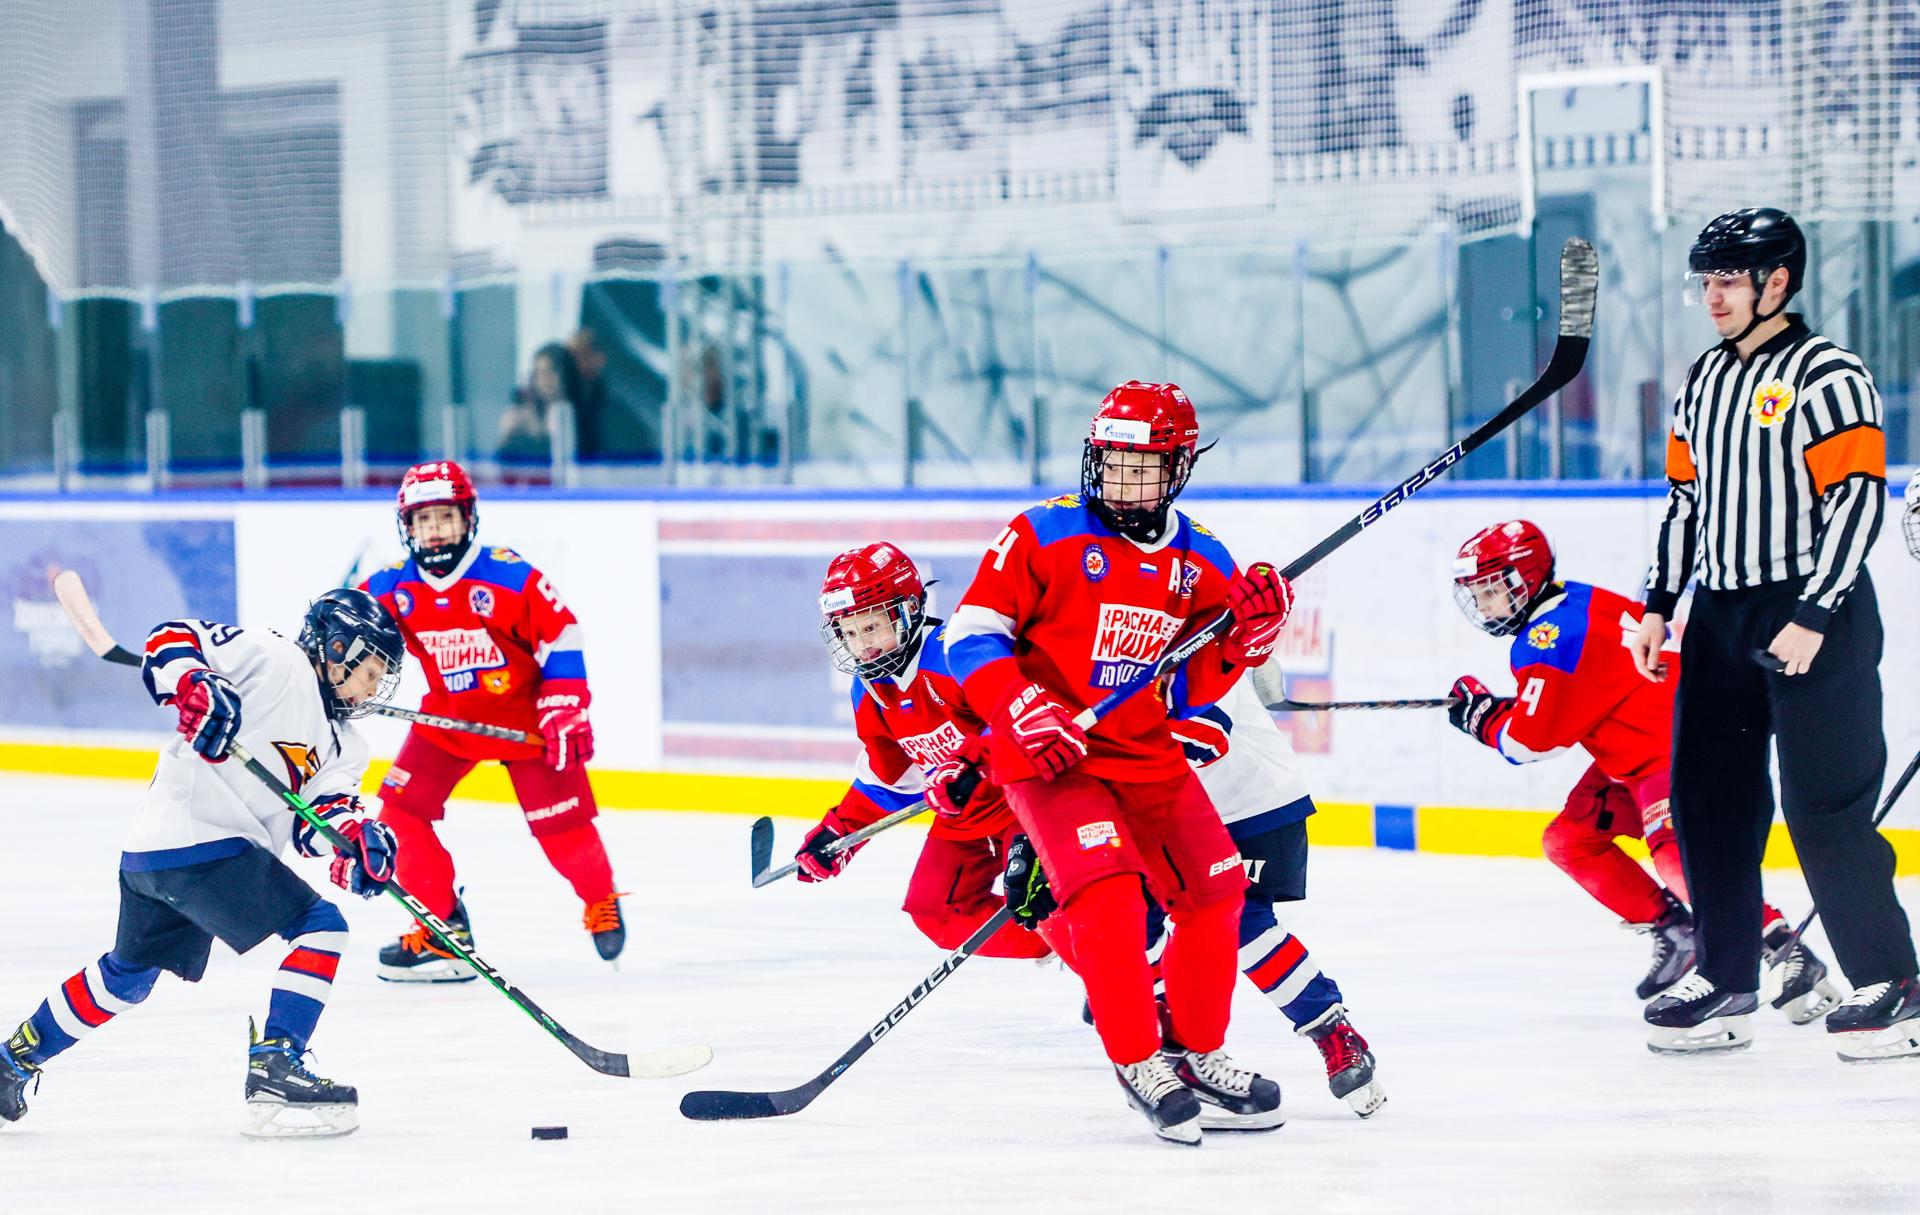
x=839, y=599
x=1127, y=641
x=437, y=490
x=1121, y=430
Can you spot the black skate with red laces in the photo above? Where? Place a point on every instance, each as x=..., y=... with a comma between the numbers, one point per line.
x=1350, y=1064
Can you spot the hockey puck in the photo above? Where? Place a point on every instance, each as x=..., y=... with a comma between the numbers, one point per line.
x=549, y=1132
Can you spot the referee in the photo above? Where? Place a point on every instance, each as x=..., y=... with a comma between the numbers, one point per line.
x=1777, y=489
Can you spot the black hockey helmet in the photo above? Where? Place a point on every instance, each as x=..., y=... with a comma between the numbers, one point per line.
x=345, y=627
x=1756, y=240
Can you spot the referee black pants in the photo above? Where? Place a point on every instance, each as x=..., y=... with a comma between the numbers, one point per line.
x=1826, y=727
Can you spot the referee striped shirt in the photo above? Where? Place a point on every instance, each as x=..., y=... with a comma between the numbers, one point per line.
x=1776, y=469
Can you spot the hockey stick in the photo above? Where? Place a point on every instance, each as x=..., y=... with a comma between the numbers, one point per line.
x=85, y=618
x=1308, y=706
x=673, y=1061
x=1886, y=807
x=709, y=1105
x=1579, y=284
x=762, y=839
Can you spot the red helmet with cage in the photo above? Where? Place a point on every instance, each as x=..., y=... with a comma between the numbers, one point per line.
x=438, y=483
x=1501, y=572
x=1134, y=496
x=872, y=603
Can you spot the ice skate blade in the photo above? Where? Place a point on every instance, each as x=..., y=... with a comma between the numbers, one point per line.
x=1182, y=1134
x=1900, y=1041
x=1810, y=1007
x=279, y=1120
x=429, y=972
x=1218, y=1118
x=1713, y=1036
x=1365, y=1100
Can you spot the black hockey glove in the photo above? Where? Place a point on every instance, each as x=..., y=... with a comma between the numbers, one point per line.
x=1029, y=897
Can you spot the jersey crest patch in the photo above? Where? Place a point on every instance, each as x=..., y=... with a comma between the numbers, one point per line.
x=506, y=555
x=497, y=682
x=403, y=603
x=1542, y=636
x=480, y=599
x=461, y=654
x=1063, y=500
x=1093, y=559
x=302, y=762
x=1771, y=401
x=1128, y=640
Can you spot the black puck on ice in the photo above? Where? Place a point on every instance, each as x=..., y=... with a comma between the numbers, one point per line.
x=549, y=1132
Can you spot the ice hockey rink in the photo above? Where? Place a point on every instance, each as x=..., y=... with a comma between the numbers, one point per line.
x=1497, y=997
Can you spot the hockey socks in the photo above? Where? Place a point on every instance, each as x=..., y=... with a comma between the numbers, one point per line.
x=84, y=1003
x=423, y=865
x=1108, y=930
x=305, y=978
x=579, y=856
x=1280, y=966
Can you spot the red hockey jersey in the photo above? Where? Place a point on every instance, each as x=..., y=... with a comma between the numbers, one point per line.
x=1063, y=599
x=489, y=635
x=1578, y=687
x=907, y=725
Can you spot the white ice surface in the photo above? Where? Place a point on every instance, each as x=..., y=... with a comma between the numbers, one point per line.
x=1498, y=998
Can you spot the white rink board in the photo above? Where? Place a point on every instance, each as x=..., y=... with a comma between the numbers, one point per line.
x=1376, y=619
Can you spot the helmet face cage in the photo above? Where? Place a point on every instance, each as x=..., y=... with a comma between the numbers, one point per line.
x=343, y=629
x=1910, y=518
x=904, y=612
x=442, y=484
x=1506, y=579
x=349, y=651
x=1134, y=521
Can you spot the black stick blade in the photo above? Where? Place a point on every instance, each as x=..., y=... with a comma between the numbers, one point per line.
x=711, y=1105
x=762, y=846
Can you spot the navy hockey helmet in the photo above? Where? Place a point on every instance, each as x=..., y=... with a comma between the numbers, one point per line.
x=344, y=628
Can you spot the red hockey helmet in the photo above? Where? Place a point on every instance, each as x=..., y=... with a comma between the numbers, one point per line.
x=872, y=603
x=1501, y=572
x=1133, y=495
x=438, y=483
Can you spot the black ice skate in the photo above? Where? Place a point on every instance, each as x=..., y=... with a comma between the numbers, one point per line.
x=609, y=927
x=1795, y=981
x=418, y=958
x=1879, y=1021
x=1694, y=1017
x=1674, y=952
x=16, y=1073
x=1172, y=1107
x=1231, y=1097
x=1350, y=1064
x=285, y=1100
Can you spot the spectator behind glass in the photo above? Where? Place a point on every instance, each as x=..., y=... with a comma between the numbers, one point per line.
x=590, y=406
x=526, y=429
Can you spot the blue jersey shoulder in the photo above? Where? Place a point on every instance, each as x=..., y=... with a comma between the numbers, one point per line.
x=501, y=566
x=385, y=581
x=1203, y=543
x=1061, y=518
x=1557, y=636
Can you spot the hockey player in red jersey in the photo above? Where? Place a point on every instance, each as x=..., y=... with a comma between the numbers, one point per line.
x=909, y=716
x=499, y=646
x=1578, y=687
x=1075, y=597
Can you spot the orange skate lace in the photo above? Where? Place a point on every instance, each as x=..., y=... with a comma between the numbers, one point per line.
x=421, y=941
x=604, y=916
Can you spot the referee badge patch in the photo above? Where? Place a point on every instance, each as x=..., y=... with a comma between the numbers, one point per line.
x=1770, y=402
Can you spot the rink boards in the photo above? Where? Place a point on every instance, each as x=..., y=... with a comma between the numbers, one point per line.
x=711, y=691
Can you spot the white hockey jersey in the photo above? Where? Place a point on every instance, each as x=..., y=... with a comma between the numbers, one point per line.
x=1244, y=760
x=195, y=811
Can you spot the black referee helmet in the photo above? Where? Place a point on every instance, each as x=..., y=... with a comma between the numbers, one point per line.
x=1756, y=240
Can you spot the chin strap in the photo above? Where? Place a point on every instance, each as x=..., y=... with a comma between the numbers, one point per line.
x=1759, y=289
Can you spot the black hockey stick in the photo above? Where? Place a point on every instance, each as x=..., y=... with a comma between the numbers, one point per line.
x=1579, y=285
x=672, y=1061
x=762, y=839
x=713, y=1105
x=85, y=618
x=1886, y=807
x=1309, y=706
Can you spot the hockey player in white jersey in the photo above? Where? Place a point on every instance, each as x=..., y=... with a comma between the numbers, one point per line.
x=202, y=859
x=1253, y=779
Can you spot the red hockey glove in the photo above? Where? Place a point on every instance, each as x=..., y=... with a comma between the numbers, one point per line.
x=1475, y=711
x=816, y=863
x=563, y=722
x=1260, y=600
x=1044, y=730
x=365, y=865
x=209, y=711
x=956, y=779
